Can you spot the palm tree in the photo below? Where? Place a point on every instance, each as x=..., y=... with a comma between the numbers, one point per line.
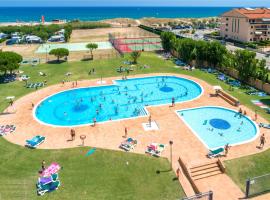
x=134, y=56
x=91, y=47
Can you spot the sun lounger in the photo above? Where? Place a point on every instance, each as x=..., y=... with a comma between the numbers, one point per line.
x=128, y=144
x=234, y=83
x=5, y=129
x=222, y=77
x=216, y=153
x=211, y=71
x=264, y=125
x=155, y=149
x=34, y=85
x=42, y=74
x=42, y=189
x=46, y=180
x=35, y=141
x=121, y=69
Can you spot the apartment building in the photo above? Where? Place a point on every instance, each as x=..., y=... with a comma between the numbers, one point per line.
x=246, y=24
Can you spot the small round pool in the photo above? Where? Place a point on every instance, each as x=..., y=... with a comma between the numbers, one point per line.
x=124, y=99
x=218, y=126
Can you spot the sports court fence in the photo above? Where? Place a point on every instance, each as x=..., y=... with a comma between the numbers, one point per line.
x=257, y=185
x=201, y=196
x=140, y=43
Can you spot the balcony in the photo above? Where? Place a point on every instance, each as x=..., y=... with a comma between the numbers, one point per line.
x=260, y=22
x=261, y=28
x=258, y=33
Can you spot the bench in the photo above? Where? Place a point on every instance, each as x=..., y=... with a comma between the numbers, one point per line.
x=230, y=99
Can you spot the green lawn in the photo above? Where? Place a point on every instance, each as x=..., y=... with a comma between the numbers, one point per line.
x=104, y=175
x=248, y=167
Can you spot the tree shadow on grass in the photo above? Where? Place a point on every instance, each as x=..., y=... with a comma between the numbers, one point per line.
x=166, y=171
x=265, y=101
x=56, y=61
x=7, y=78
x=163, y=171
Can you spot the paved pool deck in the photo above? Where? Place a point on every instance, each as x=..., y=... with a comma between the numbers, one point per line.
x=110, y=134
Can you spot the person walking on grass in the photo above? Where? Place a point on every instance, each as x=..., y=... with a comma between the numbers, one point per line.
x=262, y=141
x=43, y=165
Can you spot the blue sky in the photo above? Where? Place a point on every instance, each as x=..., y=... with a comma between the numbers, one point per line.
x=235, y=3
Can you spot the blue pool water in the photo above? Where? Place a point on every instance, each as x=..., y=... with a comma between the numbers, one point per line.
x=124, y=99
x=216, y=126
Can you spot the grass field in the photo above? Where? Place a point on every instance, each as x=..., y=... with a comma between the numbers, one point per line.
x=248, y=167
x=105, y=175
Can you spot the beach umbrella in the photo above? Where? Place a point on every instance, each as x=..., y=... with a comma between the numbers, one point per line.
x=10, y=97
x=217, y=87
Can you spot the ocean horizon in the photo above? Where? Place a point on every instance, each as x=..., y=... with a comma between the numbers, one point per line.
x=33, y=14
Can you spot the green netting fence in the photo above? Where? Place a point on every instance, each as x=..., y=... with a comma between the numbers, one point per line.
x=257, y=185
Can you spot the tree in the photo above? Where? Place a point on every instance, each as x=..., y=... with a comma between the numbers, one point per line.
x=229, y=61
x=246, y=64
x=91, y=47
x=186, y=49
x=201, y=52
x=215, y=53
x=262, y=70
x=135, y=56
x=9, y=61
x=68, y=31
x=167, y=40
x=59, y=53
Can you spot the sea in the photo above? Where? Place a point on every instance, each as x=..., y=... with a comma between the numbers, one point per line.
x=33, y=14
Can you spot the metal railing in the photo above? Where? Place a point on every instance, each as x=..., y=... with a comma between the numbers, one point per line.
x=257, y=185
x=201, y=196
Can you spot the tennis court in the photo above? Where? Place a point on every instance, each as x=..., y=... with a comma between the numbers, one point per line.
x=127, y=45
x=46, y=48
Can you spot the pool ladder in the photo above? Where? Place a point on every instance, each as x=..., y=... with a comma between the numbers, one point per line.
x=142, y=111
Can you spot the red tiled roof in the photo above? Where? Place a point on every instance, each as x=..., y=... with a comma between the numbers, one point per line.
x=254, y=13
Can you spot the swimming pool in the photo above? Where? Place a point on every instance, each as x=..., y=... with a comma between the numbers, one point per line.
x=218, y=126
x=72, y=46
x=124, y=99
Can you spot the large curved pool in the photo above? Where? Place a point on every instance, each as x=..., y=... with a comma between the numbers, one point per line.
x=124, y=99
x=218, y=126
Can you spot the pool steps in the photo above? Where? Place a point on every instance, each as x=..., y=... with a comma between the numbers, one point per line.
x=205, y=170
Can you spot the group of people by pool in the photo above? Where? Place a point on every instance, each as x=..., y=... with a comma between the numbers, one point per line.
x=100, y=103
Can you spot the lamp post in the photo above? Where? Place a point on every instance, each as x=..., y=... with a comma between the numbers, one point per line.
x=171, y=143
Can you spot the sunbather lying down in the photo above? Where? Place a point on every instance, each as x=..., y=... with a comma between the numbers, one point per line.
x=128, y=144
x=264, y=125
x=155, y=149
x=6, y=129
